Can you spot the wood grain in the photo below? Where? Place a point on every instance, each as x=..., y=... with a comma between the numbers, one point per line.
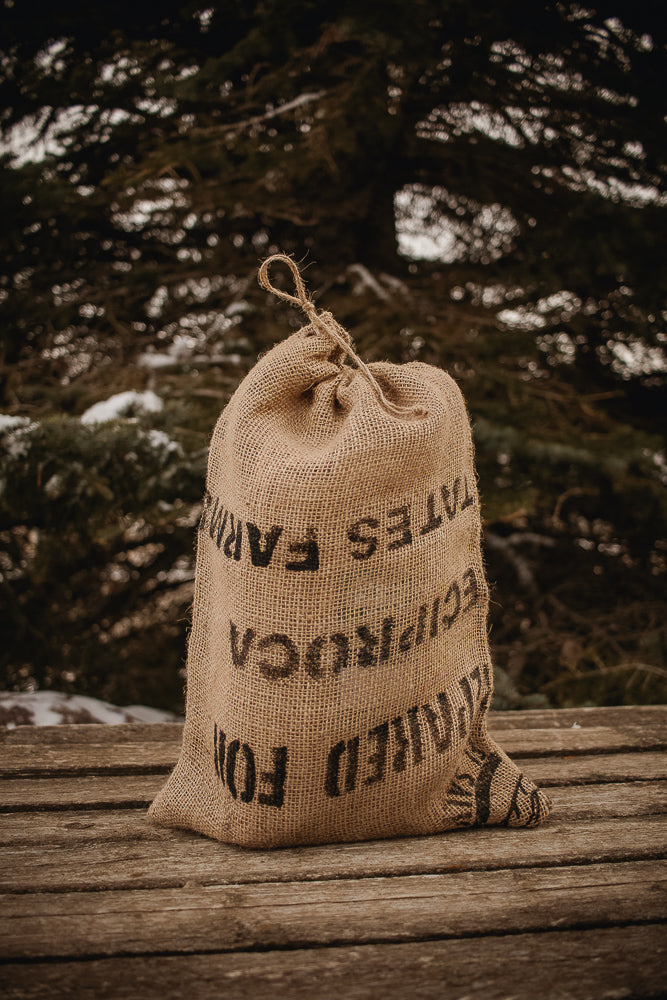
x=125, y=790
x=572, y=909
x=312, y=914
x=182, y=857
x=125, y=732
x=542, y=718
x=159, y=756
x=83, y=792
x=600, y=964
x=63, y=760
x=632, y=798
x=596, y=768
x=566, y=718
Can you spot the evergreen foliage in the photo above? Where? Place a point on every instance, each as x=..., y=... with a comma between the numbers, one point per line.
x=480, y=187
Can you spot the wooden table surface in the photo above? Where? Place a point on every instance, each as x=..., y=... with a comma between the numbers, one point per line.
x=98, y=902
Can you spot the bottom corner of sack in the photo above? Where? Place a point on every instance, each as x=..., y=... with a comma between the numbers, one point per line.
x=190, y=800
x=489, y=789
x=186, y=803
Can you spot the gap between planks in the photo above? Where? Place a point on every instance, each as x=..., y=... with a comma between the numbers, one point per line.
x=85, y=759
x=534, y=718
x=618, y=799
x=86, y=791
x=375, y=910
x=183, y=858
x=556, y=965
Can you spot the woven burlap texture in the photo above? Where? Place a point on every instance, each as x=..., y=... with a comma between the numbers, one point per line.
x=339, y=676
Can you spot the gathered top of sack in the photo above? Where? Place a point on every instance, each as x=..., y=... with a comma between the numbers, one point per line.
x=339, y=675
x=324, y=323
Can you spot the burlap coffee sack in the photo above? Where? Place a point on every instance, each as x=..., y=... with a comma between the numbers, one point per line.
x=339, y=675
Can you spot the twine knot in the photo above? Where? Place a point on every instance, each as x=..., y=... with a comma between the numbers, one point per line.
x=325, y=323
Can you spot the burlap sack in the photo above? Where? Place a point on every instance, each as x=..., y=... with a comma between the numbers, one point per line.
x=339, y=676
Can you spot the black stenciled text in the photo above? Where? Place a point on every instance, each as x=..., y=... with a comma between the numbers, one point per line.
x=278, y=656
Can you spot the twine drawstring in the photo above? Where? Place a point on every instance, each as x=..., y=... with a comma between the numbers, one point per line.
x=326, y=323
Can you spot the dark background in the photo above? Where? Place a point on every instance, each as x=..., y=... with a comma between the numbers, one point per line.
x=481, y=187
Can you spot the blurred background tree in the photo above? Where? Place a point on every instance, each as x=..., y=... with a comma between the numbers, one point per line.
x=480, y=187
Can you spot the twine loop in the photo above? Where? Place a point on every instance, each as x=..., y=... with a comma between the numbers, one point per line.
x=325, y=323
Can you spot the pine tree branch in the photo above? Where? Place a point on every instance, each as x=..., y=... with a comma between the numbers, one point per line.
x=282, y=109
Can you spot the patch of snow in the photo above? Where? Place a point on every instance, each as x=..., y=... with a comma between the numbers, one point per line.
x=15, y=432
x=52, y=708
x=142, y=713
x=123, y=404
x=8, y=423
x=162, y=442
x=179, y=351
x=155, y=360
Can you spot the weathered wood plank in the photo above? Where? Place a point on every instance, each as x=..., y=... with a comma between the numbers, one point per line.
x=626, y=962
x=63, y=760
x=595, y=769
x=633, y=798
x=73, y=793
x=135, y=790
x=180, y=858
x=542, y=718
x=363, y=911
x=125, y=732
x=521, y=743
x=566, y=718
